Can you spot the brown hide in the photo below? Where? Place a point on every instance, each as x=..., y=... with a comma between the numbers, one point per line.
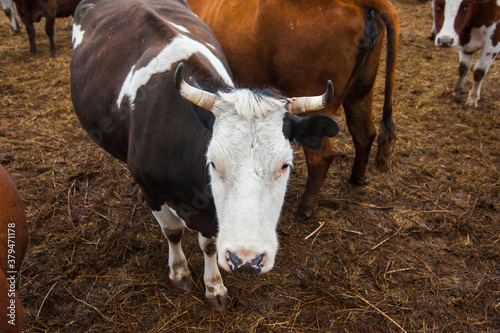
x=13, y=243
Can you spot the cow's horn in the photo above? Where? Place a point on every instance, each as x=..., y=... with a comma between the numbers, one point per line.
x=196, y=96
x=303, y=104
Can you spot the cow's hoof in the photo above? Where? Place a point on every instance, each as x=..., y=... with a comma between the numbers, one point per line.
x=358, y=181
x=182, y=286
x=471, y=104
x=219, y=302
x=303, y=214
x=53, y=54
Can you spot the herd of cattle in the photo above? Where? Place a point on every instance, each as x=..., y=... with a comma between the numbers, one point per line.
x=183, y=107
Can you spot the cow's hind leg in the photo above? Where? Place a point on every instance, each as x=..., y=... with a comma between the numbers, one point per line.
x=215, y=291
x=480, y=69
x=360, y=124
x=318, y=161
x=463, y=70
x=49, y=30
x=173, y=229
x=30, y=29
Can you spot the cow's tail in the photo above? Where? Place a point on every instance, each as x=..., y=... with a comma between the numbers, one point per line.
x=387, y=130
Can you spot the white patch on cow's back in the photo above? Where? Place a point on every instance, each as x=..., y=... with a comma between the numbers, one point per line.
x=213, y=47
x=180, y=27
x=180, y=48
x=77, y=35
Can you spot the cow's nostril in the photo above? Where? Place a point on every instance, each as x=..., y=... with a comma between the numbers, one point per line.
x=235, y=260
x=257, y=260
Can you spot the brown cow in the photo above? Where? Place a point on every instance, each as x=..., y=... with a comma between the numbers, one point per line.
x=296, y=46
x=13, y=242
x=33, y=11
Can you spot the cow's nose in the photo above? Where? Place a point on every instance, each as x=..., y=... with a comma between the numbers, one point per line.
x=245, y=263
x=445, y=41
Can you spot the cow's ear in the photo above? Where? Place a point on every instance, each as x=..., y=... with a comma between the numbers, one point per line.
x=309, y=132
x=207, y=118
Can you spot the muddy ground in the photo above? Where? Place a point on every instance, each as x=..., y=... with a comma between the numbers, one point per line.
x=416, y=249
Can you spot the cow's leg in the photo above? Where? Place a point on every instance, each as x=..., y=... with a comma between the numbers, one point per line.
x=360, y=124
x=463, y=70
x=173, y=229
x=49, y=29
x=318, y=161
x=480, y=69
x=30, y=29
x=215, y=291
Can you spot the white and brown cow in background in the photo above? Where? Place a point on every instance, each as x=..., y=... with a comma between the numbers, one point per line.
x=208, y=156
x=470, y=26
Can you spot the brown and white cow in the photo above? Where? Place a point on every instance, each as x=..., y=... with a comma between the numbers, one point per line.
x=33, y=11
x=295, y=46
x=208, y=156
x=470, y=26
x=13, y=243
x=10, y=10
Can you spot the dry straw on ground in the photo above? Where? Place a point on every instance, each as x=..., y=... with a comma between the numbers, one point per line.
x=415, y=250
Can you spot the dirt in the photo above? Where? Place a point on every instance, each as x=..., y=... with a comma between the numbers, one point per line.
x=416, y=249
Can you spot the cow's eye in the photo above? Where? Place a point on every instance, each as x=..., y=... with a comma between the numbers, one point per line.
x=285, y=166
x=212, y=164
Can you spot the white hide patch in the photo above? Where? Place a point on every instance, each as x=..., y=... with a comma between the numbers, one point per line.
x=168, y=218
x=213, y=47
x=180, y=48
x=179, y=27
x=481, y=38
x=77, y=35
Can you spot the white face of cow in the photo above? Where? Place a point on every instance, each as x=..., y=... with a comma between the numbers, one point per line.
x=445, y=14
x=249, y=160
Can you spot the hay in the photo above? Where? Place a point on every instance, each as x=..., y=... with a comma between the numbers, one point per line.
x=415, y=250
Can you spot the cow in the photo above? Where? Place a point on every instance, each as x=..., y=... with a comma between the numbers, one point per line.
x=33, y=10
x=470, y=26
x=279, y=42
x=10, y=10
x=13, y=244
x=151, y=85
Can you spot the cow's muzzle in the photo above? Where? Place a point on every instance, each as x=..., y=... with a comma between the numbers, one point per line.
x=445, y=41
x=242, y=263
